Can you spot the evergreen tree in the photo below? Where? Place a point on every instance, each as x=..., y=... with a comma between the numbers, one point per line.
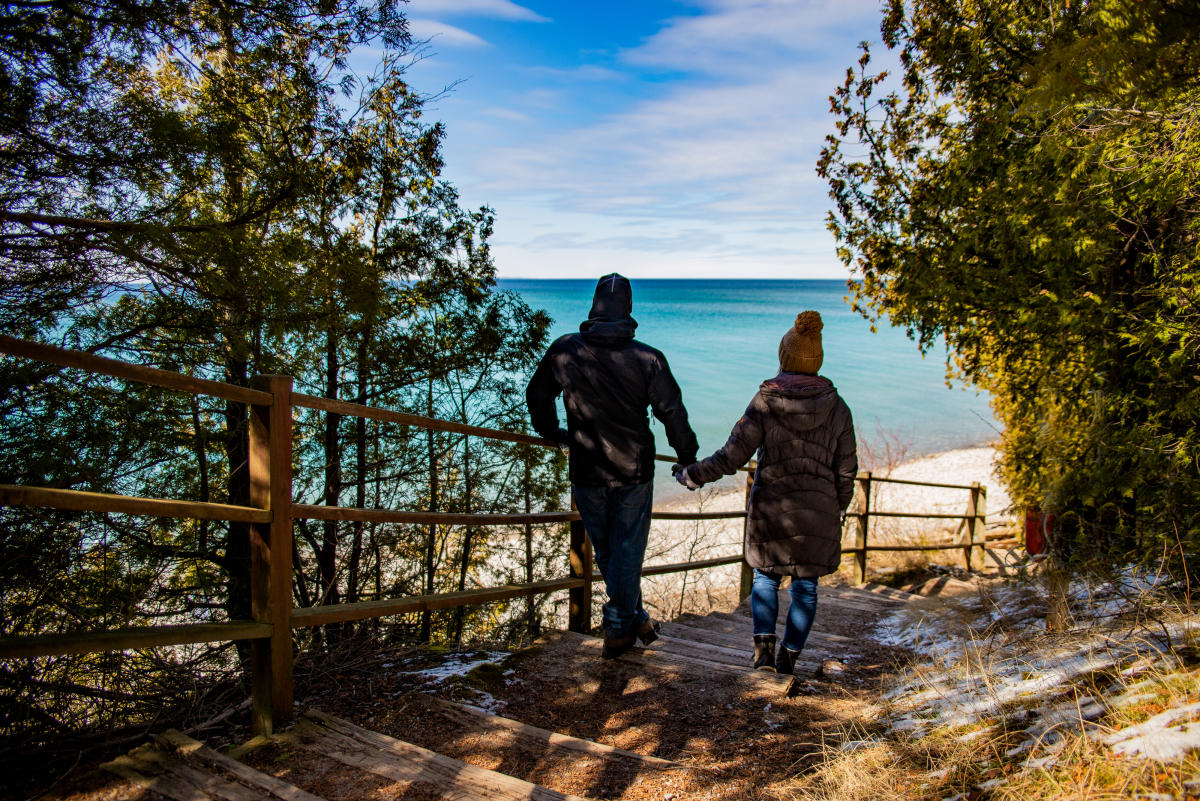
x=1025, y=188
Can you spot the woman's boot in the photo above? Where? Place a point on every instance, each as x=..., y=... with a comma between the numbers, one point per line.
x=786, y=661
x=764, y=652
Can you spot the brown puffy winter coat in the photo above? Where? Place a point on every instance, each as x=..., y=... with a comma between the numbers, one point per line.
x=807, y=460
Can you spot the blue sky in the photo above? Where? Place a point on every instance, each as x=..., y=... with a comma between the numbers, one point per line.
x=660, y=139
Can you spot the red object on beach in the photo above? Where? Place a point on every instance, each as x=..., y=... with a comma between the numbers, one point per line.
x=1038, y=527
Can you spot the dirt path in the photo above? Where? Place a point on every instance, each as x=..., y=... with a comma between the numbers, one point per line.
x=727, y=733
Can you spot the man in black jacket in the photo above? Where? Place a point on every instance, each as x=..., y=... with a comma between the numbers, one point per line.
x=607, y=380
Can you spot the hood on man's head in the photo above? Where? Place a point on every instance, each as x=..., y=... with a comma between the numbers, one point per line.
x=613, y=299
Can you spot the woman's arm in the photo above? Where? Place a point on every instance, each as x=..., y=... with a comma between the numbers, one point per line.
x=846, y=460
x=744, y=440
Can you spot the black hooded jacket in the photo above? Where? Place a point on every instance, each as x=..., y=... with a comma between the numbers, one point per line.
x=807, y=460
x=608, y=379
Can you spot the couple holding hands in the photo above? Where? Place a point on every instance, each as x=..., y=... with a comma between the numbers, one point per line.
x=798, y=425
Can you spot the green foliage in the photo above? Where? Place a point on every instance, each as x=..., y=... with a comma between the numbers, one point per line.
x=207, y=188
x=1026, y=188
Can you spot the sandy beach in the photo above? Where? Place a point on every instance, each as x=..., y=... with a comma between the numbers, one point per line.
x=963, y=467
x=673, y=541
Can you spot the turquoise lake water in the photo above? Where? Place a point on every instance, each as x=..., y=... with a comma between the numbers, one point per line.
x=721, y=338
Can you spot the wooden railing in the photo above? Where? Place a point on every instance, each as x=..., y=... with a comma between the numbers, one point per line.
x=272, y=515
x=973, y=521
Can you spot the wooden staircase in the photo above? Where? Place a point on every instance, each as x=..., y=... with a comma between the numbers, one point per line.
x=364, y=763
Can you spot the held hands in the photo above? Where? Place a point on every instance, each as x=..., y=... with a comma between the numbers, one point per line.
x=681, y=475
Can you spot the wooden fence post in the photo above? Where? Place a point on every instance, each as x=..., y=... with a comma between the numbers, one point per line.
x=975, y=525
x=579, y=609
x=863, y=480
x=747, y=582
x=271, y=553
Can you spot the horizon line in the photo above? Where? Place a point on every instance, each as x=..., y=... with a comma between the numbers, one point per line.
x=664, y=278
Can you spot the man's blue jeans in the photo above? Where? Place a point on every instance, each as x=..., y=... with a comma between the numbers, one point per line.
x=764, y=607
x=617, y=520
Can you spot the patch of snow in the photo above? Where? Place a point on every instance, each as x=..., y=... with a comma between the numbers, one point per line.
x=488, y=703
x=857, y=745
x=1157, y=738
x=457, y=665
x=982, y=666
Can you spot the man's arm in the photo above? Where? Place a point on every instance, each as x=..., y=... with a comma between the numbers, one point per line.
x=666, y=401
x=540, y=393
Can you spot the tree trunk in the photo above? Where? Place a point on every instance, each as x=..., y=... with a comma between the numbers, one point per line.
x=200, y=444
x=360, y=478
x=327, y=558
x=531, y=621
x=468, y=533
x=431, y=530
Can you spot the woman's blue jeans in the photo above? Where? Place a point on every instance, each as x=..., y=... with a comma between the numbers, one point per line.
x=617, y=520
x=764, y=607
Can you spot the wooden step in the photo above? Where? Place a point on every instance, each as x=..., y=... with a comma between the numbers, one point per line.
x=479, y=720
x=861, y=595
x=739, y=657
x=686, y=663
x=743, y=640
x=887, y=592
x=183, y=769
x=741, y=626
x=393, y=759
x=743, y=623
x=870, y=604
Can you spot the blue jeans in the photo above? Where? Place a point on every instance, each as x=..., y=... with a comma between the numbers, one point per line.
x=617, y=520
x=764, y=607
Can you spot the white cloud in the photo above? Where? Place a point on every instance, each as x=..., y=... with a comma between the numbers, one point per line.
x=505, y=114
x=586, y=72
x=719, y=165
x=492, y=9
x=740, y=141
x=441, y=33
x=743, y=36
x=742, y=150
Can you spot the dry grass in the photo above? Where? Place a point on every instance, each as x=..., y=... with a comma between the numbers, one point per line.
x=947, y=765
x=1019, y=750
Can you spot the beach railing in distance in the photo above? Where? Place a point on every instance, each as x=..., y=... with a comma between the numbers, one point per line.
x=271, y=518
x=973, y=520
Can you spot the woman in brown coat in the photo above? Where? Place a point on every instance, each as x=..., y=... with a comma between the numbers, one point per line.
x=807, y=460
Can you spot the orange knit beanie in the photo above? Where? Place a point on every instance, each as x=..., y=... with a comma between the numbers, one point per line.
x=800, y=349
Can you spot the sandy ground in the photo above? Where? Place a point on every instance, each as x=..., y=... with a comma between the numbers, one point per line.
x=673, y=541
x=960, y=467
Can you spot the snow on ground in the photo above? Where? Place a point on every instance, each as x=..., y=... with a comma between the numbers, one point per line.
x=458, y=665
x=987, y=661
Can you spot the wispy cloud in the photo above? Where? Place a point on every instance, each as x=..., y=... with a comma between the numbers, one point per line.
x=491, y=9
x=710, y=139
x=733, y=150
x=508, y=114
x=740, y=37
x=585, y=72
x=441, y=33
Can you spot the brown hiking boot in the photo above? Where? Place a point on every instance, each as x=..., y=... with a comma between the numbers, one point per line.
x=764, y=652
x=785, y=662
x=615, y=646
x=647, y=632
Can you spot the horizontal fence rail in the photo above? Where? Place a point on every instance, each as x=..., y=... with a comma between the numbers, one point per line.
x=90, y=642
x=271, y=402
x=973, y=520
x=114, y=368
